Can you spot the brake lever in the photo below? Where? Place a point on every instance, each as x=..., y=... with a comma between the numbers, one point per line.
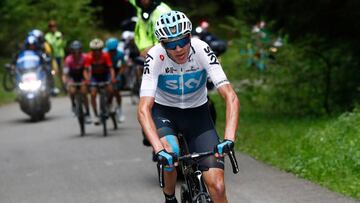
x=233, y=161
x=160, y=168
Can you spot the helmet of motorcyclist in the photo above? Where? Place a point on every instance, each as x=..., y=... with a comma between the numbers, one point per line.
x=112, y=44
x=96, y=44
x=30, y=42
x=37, y=33
x=171, y=25
x=76, y=45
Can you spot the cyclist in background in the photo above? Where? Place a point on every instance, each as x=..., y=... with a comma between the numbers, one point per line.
x=74, y=73
x=99, y=69
x=173, y=100
x=117, y=59
x=147, y=11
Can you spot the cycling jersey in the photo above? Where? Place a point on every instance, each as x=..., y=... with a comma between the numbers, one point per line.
x=98, y=66
x=181, y=85
x=75, y=68
x=117, y=60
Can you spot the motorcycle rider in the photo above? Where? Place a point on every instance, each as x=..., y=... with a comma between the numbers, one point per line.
x=30, y=51
x=117, y=59
x=74, y=73
x=98, y=68
x=44, y=47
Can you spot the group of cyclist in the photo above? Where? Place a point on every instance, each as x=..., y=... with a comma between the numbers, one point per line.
x=103, y=64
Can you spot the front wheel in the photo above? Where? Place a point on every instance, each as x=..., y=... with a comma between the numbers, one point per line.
x=80, y=114
x=184, y=194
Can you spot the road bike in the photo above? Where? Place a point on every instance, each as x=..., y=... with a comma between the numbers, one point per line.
x=194, y=190
x=105, y=111
x=79, y=106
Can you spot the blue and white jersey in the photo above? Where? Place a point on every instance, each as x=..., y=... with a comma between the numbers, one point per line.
x=181, y=85
x=28, y=59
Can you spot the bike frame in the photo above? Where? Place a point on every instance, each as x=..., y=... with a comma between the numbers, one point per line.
x=194, y=186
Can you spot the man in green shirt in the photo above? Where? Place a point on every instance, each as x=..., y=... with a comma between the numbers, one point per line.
x=147, y=11
x=57, y=44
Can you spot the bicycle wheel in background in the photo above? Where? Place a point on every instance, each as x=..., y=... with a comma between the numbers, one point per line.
x=80, y=113
x=9, y=82
x=104, y=111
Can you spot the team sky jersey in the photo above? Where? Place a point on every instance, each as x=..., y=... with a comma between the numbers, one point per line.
x=100, y=66
x=75, y=68
x=181, y=85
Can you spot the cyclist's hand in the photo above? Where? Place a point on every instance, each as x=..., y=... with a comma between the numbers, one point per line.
x=165, y=158
x=223, y=147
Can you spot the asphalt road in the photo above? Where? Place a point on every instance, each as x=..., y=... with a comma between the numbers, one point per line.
x=49, y=162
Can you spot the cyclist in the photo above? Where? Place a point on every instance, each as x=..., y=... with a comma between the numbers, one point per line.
x=117, y=59
x=173, y=99
x=147, y=11
x=74, y=73
x=98, y=68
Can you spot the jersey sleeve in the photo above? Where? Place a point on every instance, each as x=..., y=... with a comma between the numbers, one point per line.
x=107, y=59
x=67, y=64
x=211, y=63
x=88, y=60
x=150, y=76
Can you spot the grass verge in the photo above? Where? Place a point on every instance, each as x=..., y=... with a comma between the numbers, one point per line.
x=325, y=150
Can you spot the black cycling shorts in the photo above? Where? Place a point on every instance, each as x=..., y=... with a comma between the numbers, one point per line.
x=197, y=127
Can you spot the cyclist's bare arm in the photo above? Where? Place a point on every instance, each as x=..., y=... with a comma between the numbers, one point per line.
x=147, y=123
x=232, y=110
x=112, y=72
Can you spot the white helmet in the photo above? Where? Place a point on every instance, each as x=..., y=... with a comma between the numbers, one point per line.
x=96, y=44
x=172, y=25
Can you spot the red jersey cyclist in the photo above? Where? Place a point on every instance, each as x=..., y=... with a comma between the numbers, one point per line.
x=98, y=69
x=74, y=73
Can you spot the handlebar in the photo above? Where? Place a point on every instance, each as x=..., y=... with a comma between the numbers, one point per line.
x=195, y=157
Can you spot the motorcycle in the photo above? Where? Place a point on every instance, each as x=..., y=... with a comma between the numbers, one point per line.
x=33, y=92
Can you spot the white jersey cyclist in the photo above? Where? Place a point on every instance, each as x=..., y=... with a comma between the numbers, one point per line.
x=181, y=85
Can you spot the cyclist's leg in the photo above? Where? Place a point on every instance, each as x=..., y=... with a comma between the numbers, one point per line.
x=84, y=91
x=72, y=91
x=201, y=136
x=93, y=93
x=167, y=133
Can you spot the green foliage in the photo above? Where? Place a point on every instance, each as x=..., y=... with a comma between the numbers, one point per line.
x=325, y=150
x=331, y=155
x=74, y=19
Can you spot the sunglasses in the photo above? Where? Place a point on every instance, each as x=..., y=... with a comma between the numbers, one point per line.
x=173, y=44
